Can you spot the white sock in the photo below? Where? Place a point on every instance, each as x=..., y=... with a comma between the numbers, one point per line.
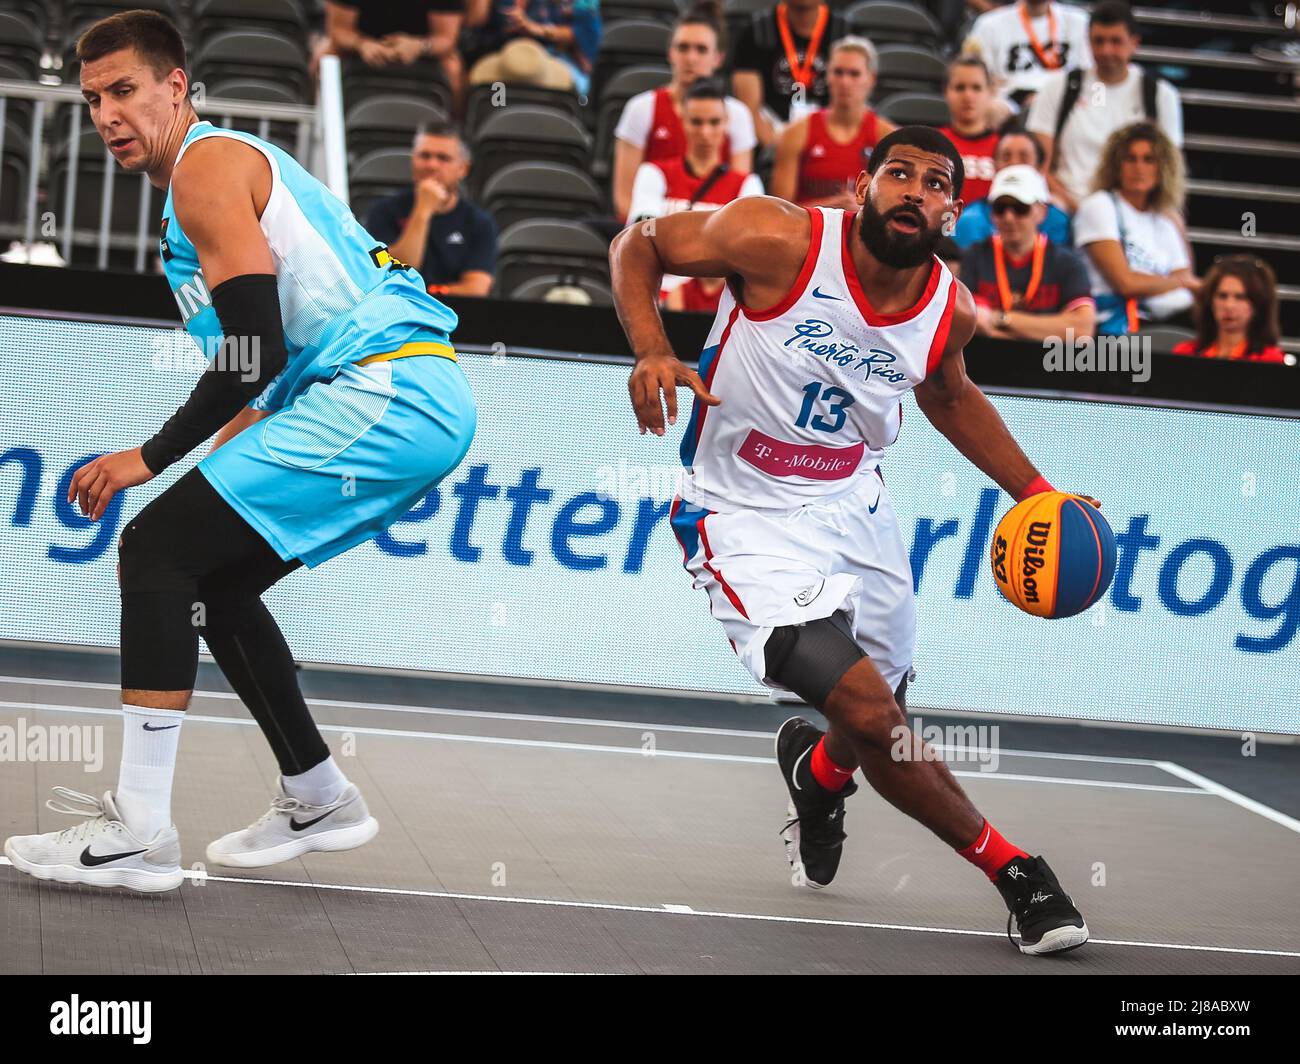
x=144, y=786
x=321, y=784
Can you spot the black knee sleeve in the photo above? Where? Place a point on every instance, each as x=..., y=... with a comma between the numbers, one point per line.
x=810, y=659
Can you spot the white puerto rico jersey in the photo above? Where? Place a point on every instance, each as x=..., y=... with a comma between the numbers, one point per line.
x=811, y=388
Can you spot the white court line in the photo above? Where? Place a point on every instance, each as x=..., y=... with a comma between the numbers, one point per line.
x=1230, y=795
x=664, y=910
x=1100, y=759
x=636, y=751
x=485, y=714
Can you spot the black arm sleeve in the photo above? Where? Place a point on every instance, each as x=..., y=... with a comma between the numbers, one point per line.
x=251, y=356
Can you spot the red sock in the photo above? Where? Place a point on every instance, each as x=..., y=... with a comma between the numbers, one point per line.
x=990, y=851
x=825, y=771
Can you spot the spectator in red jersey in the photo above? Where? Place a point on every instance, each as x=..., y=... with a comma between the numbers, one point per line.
x=1025, y=286
x=819, y=157
x=700, y=180
x=968, y=93
x=699, y=294
x=1236, y=313
x=650, y=127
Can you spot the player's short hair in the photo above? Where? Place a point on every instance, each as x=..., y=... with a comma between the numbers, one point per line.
x=150, y=33
x=1114, y=13
x=972, y=61
x=860, y=46
x=927, y=139
x=441, y=128
x=706, y=89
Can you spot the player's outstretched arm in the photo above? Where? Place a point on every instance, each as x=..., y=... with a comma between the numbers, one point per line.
x=958, y=409
x=758, y=243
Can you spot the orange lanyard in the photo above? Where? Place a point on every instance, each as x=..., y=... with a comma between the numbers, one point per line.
x=802, y=72
x=1035, y=272
x=1052, y=61
x=1238, y=352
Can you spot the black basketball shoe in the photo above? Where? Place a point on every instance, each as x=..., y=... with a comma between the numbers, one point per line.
x=814, y=835
x=1044, y=913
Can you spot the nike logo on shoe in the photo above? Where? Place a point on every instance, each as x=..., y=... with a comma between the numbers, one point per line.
x=161, y=727
x=293, y=824
x=90, y=860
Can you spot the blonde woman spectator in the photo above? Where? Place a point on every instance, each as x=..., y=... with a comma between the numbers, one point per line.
x=1130, y=231
x=819, y=157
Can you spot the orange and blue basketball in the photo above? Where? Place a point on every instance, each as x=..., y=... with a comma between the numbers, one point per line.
x=1053, y=555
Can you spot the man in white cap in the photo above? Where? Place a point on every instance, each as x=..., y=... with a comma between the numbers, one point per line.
x=1026, y=287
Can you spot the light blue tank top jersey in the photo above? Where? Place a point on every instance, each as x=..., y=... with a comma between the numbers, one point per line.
x=342, y=297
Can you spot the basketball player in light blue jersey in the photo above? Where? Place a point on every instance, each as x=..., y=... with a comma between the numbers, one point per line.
x=337, y=403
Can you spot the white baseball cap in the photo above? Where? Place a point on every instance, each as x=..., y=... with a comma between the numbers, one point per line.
x=1020, y=182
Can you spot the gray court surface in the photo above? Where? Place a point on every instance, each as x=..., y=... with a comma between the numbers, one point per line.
x=528, y=829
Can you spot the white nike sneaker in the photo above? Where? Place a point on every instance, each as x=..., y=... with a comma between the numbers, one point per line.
x=101, y=850
x=291, y=828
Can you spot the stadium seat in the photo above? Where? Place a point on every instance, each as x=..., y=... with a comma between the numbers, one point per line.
x=539, y=190
x=914, y=108
x=518, y=133
x=388, y=121
x=14, y=161
x=376, y=174
x=1164, y=338
x=482, y=101
x=537, y=288
x=535, y=248
x=253, y=63
x=424, y=79
x=618, y=90
x=633, y=42
x=21, y=41
x=665, y=11
x=86, y=212
x=212, y=16
x=895, y=22
x=908, y=68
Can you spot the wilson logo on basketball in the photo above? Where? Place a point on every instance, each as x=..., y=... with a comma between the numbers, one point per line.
x=1033, y=558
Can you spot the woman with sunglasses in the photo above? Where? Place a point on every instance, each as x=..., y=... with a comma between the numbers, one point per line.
x=650, y=127
x=1236, y=313
x=1129, y=228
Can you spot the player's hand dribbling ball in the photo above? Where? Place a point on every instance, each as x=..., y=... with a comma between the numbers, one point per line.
x=1053, y=554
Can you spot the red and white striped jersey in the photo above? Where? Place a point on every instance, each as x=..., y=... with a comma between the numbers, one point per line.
x=811, y=388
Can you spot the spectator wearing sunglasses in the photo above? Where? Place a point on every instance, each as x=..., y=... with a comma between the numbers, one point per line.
x=1026, y=287
x=1015, y=148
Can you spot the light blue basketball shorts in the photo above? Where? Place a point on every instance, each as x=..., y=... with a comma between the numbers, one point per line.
x=349, y=456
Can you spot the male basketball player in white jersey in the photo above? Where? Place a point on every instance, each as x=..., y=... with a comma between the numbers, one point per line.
x=829, y=318
x=344, y=406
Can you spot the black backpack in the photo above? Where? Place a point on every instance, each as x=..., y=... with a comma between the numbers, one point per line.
x=1074, y=86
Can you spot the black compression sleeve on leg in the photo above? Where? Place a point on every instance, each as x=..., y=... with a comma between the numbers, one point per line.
x=810, y=659
x=252, y=354
x=253, y=655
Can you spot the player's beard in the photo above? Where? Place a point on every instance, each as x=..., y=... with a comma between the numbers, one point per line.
x=899, y=251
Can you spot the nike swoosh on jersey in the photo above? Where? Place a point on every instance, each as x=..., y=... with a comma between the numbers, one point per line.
x=825, y=295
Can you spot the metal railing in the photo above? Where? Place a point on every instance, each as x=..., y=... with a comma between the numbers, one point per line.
x=315, y=128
